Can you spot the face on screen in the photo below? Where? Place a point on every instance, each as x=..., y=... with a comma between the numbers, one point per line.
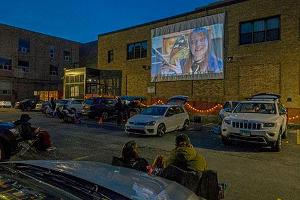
x=198, y=46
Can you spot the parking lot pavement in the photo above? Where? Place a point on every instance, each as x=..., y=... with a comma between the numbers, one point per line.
x=251, y=172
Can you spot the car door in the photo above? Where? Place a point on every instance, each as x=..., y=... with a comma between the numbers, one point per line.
x=170, y=121
x=77, y=105
x=179, y=117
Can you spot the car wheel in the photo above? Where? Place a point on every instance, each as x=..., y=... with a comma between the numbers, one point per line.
x=277, y=146
x=225, y=141
x=185, y=125
x=161, y=130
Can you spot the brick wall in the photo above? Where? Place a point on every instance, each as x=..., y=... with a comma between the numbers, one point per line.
x=38, y=77
x=262, y=67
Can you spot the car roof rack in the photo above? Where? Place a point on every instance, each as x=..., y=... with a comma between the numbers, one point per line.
x=265, y=96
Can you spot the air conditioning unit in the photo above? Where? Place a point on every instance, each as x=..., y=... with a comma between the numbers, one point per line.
x=24, y=50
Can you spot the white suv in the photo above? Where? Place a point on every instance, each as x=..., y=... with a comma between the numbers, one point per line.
x=261, y=120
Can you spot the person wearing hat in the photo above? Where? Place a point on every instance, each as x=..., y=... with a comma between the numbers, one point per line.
x=183, y=156
x=25, y=127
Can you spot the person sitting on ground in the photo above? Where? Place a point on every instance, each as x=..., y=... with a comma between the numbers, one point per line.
x=27, y=132
x=130, y=158
x=24, y=126
x=183, y=156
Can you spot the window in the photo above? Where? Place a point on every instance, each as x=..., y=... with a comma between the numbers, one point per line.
x=260, y=30
x=5, y=64
x=74, y=91
x=24, y=65
x=52, y=52
x=67, y=56
x=137, y=50
x=24, y=46
x=5, y=92
x=110, y=56
x=53, y=70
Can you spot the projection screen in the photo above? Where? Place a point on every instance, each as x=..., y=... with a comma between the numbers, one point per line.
x=189, y=50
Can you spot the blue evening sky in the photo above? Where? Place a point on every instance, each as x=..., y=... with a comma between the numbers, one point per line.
x=83, y=20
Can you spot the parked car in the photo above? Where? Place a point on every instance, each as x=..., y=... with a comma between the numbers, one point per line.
x=73, y=104
x=160, y=119
x=26, y=104
x=5, y=104
x=84, y=180
x=8, y=140
x=96, y=106
x=134, y=104
x=228, y=107
x=261, y=120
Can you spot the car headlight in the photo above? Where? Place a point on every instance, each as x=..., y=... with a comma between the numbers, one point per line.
x=269, y=124
x=14, y=131
x=152, y=123
x=227, y=121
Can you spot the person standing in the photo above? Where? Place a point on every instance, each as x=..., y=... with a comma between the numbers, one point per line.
x=119, y=108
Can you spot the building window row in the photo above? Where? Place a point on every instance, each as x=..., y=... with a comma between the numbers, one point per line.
x=5, y=92
x=137, y=50
x=261, y=30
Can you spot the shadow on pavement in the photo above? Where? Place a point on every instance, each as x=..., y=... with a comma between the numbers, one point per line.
x=206, y=138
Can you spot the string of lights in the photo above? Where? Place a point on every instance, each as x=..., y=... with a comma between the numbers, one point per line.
x=191, y=108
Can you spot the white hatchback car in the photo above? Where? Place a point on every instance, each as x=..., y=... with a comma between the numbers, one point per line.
x=74, y=104
x=158, y=120
x=261, y=121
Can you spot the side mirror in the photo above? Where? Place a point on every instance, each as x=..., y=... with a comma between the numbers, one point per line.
x=283, y=112
x=168, y=114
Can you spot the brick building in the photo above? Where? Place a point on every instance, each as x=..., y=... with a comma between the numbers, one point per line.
x=32, y=62
x=261, y=53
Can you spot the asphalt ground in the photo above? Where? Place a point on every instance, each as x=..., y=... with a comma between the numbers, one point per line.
x=251, y=172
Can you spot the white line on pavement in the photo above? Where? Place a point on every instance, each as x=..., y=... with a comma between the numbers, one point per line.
x=81, y=158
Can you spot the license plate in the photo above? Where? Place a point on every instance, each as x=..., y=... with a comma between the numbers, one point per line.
x=245, y=132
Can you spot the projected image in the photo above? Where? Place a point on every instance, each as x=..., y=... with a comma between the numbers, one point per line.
x=188, y=55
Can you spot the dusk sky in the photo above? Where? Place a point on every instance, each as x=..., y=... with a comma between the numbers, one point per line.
x=82, y=21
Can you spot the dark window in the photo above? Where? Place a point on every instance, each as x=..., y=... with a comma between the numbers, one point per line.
x=137, y=50
x=110, y=56
x=67, y=56
x=24, y=46
x=260, y=30
x=5, y=92
x=273, y=29
x=24, y=65
x=53, y=70
x=5, y=64
x=52, y=52
x=246, y=33
x=130, y=51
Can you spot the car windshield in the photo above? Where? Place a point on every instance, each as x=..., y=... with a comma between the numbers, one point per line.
x=89, y=102
x=62, y=101
x=154, y=110
x=262, y=108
